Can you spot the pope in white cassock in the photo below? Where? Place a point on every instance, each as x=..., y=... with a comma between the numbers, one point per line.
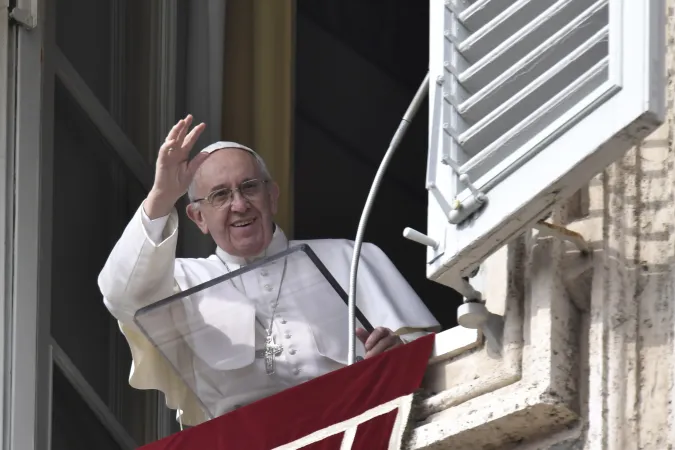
x=233, y=198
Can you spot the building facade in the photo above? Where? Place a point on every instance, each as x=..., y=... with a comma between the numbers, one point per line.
x=585, y=359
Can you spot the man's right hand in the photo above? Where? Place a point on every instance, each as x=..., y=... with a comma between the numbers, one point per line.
x=174, y=170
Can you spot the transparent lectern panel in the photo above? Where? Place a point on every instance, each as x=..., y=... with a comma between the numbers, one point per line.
x=214, y=334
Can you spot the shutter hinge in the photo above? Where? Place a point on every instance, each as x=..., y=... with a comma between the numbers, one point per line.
x=23, y=17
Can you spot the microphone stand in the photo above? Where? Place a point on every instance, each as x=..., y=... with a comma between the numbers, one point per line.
x=358, y=242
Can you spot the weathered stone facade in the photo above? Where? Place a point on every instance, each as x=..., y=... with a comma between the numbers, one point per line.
x=588, y=355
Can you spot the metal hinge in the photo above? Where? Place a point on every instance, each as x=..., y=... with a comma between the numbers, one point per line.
x=23, y=17
x=560, y=232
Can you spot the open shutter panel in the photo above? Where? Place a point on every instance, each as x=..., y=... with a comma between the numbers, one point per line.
x=529, y=99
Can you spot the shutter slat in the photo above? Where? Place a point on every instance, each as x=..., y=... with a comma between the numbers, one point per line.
x=526, y=101
x=535, y=63
x=527, y=39
x=481, y=12
x=493, y=33
x=536, y=122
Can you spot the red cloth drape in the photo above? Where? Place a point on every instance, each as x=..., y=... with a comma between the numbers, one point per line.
x=315, y=405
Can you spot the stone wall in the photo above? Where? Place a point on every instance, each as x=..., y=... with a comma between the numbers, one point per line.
x=626, y=354
x=627, y=369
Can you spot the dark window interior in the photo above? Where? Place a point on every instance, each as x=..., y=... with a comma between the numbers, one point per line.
x=358, y=66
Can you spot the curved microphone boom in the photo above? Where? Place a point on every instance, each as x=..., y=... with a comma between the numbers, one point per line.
x=395, y=141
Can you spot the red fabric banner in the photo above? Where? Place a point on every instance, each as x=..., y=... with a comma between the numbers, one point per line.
x=364, y=403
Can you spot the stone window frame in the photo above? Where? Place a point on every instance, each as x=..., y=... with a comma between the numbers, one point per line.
x=475, y=397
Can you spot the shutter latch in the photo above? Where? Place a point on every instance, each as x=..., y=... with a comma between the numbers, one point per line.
x=460, y=211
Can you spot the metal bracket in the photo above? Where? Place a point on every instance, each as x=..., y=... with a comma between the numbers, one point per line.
x=465, y=288
x=563, y=233
x=460, y=211
x=23, y=17
x=474, y=315
x=577, y=268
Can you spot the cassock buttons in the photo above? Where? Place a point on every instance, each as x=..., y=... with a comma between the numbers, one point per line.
x=292, y=351
x=263, y=273
x=283, y=321
x=296, y=371
x=288, y=335
x=268, y=287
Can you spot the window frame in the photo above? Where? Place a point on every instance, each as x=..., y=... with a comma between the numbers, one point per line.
x=27, y=406
x=30, y=62
x=7, y=90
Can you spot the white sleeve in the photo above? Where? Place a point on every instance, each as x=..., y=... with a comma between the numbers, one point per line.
x=140, y=269
x=154, y=227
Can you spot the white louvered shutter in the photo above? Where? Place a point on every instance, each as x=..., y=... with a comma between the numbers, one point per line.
x=529, y=99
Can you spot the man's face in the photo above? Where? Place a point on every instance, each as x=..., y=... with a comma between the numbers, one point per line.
x=244, y=226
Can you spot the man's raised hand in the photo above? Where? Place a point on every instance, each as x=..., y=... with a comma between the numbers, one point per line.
x=174, y=170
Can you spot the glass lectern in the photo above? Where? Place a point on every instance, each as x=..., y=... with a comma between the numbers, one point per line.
x=224, y=324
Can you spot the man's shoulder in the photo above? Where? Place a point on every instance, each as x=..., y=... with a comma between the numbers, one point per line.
x=337, y=246
x=328, y=242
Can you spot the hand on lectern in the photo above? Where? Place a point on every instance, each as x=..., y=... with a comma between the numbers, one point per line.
x=380, y=340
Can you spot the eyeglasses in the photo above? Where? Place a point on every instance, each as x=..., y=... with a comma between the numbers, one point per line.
x=221, y=198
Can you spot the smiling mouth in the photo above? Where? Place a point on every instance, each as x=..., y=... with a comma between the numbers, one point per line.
x=243, y=223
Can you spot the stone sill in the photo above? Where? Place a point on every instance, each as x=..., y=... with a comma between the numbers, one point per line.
x=453, y=342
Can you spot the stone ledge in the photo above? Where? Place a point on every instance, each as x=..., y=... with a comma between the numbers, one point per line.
x=453, y=342
x=494, y=420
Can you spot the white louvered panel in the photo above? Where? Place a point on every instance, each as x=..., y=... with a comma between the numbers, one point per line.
x=514, y=83
x=505, y=80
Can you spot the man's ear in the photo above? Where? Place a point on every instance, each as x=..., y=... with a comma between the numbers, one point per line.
x=194, y=212
x=274, y=197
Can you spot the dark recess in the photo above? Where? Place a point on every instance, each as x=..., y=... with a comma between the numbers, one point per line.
x=358, y=65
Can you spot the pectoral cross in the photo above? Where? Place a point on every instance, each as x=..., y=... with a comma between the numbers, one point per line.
x=271, y=351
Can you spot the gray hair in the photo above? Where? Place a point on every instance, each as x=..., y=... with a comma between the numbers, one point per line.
x=228, y=145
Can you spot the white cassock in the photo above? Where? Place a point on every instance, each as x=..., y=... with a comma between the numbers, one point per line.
x=142, y=269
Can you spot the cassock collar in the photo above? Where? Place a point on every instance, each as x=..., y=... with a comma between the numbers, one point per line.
x=278, y=244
